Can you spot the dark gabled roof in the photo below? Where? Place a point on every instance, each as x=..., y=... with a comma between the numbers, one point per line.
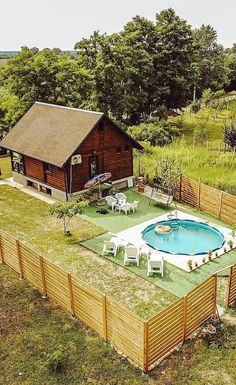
x=52, y=133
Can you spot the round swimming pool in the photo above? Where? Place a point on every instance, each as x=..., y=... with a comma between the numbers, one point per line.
x=186, y=237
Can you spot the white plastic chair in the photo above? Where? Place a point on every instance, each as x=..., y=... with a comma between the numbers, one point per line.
x=131, y=255
x=119, y=242
x=122, y=198
x=109, y=247
x=126, y=207
x=111, y=201
x=155, y=265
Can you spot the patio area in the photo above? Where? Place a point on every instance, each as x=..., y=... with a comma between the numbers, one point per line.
x=175, y=280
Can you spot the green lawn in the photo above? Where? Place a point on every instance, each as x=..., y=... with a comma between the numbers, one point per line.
x=32, y=330
x=26, y=218
x=5, y=166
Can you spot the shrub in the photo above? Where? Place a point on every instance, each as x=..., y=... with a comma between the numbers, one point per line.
x=155, y=132
x=229, y=133
x=57, y=360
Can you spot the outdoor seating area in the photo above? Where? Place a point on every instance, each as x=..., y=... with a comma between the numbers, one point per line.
x=132, y=254
x=121, y=204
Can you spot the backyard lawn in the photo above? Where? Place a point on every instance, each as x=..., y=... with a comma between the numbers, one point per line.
x=26, y=218
x=34, y=331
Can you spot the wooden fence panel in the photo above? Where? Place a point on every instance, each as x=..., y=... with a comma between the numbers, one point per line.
x=88, y=306
x=232, y=286
x=57, y=284
x=31, y=266
x=189, y=191
x=9, y=251
x=165, y=332
x=125, y=330
x=201, y=304
x=214, y=202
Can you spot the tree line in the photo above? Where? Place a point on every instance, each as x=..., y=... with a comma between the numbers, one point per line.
x=146, y=71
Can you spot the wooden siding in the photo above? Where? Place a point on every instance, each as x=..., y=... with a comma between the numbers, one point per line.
x=34, y=169
x=232, y=286
x=104, y=139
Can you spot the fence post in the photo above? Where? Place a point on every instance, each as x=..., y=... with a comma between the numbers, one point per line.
x=215, y=294
x=44, y=286
x=199, y=194
x=104, y=310
x=72, y=306
x=180, y=186
x=1, y=253
x=185, y=317
x=220, y=205
x=19, y=259
x=229, y=287
x=145, y=346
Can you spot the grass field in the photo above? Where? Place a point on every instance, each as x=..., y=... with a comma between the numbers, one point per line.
x=205, y=161
x=33, y=330
x=26, y=218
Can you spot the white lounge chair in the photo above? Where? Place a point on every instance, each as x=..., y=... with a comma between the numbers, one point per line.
x=155, y=265
x=111, y=201
x=131, y=255
x=109, y=247
x=122, y=198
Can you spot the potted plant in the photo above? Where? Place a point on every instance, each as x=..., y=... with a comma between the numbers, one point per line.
x=190, y=264
x=230, y=243
x=210, y=255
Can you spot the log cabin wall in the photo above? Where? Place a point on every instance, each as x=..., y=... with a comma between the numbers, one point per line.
x=113, y=150
x=35, y=169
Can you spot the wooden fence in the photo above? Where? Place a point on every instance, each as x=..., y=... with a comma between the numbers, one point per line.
x=232, y=286
x=144, y=342
x=214, y=202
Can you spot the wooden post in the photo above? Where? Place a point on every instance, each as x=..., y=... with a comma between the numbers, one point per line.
x=72, y=305
x=44, y=286
x=104, y=308
x=229, y=287
x=220, y=205
x=199, y=194
x=185, y=317
x=145, y=346
x=19, y=259
x=1, y=253
x=180, y=186
x=215, y=294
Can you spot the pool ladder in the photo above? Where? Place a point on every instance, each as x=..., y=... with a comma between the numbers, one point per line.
x=174, y=224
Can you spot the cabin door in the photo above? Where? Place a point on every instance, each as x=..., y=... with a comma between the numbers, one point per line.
x=93, y=166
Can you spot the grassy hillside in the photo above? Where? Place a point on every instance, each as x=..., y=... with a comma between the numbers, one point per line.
x=207, y=160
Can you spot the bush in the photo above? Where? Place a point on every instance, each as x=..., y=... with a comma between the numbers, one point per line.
x=156, y=132
x=229, y=133
x=57, y=360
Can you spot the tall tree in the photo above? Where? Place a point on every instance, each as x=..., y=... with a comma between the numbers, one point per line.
x=209, y=60
x=48, y=76
x=173, y=58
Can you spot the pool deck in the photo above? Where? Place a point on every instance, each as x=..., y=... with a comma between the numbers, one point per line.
x=133, y=235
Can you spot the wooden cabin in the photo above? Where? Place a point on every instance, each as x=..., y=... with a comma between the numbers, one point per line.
x=57, y=149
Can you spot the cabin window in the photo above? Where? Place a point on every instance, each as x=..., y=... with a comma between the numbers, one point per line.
x=47, y=168
x=126, y=149
x=17, y=163
x=118, y=150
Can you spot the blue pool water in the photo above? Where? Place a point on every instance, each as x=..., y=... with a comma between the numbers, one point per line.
x=186, y=237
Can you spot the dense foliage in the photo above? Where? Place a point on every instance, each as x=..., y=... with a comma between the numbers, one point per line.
x=230, y=134
x=144, y=71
